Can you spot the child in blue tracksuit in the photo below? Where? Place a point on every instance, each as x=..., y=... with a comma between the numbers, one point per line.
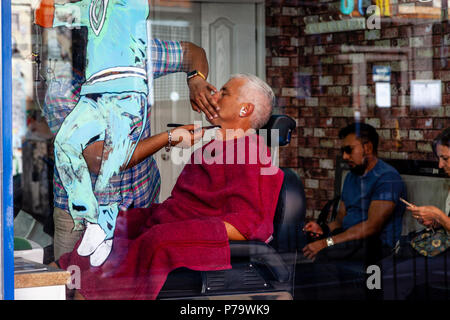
x=112, y=107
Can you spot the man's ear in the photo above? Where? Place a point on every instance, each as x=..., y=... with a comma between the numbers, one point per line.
x=368, y=148
x=246, y=109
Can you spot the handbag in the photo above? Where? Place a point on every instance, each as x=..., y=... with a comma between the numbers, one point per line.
x=430, y=243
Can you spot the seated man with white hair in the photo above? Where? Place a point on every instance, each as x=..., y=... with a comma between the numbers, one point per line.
x=227, y=191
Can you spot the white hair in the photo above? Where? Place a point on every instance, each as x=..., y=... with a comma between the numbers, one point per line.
x=258, y=92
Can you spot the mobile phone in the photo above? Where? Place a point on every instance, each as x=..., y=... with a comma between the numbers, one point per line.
x=312, y=234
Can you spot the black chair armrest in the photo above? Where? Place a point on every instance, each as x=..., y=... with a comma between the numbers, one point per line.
x=260, y=252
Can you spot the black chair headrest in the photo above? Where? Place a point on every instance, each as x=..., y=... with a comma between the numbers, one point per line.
x=290, y=213
x=284, y=125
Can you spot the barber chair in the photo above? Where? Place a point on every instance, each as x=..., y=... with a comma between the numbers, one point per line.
x=259, y=270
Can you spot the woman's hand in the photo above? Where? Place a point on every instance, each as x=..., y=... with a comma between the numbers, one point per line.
x=426, y=215
x=186, y=136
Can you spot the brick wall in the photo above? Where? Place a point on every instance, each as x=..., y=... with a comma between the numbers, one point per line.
x=322, y=84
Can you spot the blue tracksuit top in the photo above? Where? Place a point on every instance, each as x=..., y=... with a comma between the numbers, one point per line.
x=117, y=42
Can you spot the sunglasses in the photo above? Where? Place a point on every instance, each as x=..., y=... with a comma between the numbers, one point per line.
x=347, y=149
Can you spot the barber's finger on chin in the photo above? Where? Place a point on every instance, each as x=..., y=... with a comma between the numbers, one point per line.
x=195, y=106
x=212, y=88
x=211, y=108
x=212, y=102
x=204, y=110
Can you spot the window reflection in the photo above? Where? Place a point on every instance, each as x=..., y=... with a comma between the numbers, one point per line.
x=383, y=63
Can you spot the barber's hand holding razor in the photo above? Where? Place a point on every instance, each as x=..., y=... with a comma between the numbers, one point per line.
x=186, y=136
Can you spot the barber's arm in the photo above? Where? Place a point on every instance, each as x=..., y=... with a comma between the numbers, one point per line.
x=184, y=136
x=194, y=58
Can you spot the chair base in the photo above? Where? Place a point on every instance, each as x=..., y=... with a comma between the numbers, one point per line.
x=282, y=295
x=246, y=281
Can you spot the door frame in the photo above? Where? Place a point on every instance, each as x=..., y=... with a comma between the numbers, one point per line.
x=6, y=195
x=260, y=29
x=260, y=51
x=260, y=24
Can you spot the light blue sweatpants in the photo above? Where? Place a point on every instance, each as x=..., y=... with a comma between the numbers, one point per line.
x=114, y=119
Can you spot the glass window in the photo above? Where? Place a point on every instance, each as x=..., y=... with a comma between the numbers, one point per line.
x=98, y=87
x=6, y=214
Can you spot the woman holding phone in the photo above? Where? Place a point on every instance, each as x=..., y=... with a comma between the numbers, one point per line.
x=412, y=278
x=432, y=216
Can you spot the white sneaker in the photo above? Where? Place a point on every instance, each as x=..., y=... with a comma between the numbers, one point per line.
x=92, y=238
x=101, y=253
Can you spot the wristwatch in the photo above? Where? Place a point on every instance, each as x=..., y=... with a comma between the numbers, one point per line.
x=330, y=242
x=195, y=73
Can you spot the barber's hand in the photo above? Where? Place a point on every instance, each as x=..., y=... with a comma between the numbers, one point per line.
x=201, y=97
x=310, y=251
x=186, y=136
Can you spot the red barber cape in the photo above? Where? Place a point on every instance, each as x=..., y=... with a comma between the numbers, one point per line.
x=230, y=181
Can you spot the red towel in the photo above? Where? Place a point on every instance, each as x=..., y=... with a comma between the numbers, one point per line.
x=231, y=181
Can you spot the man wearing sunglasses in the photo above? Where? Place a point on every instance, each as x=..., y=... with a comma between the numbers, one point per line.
x=369, y=220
